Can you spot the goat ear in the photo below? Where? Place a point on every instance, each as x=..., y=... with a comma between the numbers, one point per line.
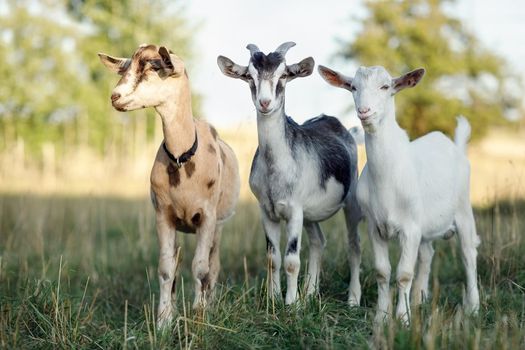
x=116, y=64
x=171, y=64
x=408, y=80
x=335, y=78
x=301, y=69
x=232, y=69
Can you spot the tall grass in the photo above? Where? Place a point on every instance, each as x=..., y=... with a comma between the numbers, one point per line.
x=80, y=272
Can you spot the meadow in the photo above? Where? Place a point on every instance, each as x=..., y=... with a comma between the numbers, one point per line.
x=80, y=272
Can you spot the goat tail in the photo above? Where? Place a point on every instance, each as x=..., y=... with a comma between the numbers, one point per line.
x=358, y=134
x=462, y=133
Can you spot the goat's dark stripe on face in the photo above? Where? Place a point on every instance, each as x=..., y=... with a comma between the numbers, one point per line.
x=223, y=155
x=213, y=132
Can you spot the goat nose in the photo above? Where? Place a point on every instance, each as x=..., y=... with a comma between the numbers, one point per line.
x=363, y=110
x=115, y=96
x=264, y=103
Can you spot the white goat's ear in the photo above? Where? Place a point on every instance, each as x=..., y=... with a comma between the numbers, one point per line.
x=335, y=78
x=408, y=80
x=171, y=64
x=301, y=69
x=232, y=69
x=116, y=64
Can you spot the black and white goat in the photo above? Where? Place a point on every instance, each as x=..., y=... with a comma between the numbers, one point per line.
x=302, y=174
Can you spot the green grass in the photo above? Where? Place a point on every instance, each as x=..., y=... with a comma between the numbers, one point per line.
x=81, y=273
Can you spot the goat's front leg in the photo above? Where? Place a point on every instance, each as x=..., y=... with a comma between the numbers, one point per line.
x=215, y=261
x=383, y=269
x=317, y=243
x=167, y=268
x=292, y=261
x=201, y=260
x=272, y=230
x=409, y=241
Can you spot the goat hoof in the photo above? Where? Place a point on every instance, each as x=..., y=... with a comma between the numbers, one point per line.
x=353, y=302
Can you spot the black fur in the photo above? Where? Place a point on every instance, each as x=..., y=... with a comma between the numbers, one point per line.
x=292, y=247
x=269, y=246
x=318, y=136
x=266, y=64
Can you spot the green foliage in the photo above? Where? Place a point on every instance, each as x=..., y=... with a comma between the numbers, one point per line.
x=82, y=273
x=462, y=77
x=54, y=89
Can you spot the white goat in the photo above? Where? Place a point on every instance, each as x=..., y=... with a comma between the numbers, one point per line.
x=417, y=191
x=302, y=174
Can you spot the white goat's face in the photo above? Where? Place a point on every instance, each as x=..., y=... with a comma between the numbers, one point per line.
x=148, y=77
x=373, y=90
x=267, y=75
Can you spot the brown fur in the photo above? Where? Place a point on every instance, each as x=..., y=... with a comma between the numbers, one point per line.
x=188, y=194
x=201, y=200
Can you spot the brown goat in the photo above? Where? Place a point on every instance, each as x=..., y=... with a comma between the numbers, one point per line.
x=195, y=177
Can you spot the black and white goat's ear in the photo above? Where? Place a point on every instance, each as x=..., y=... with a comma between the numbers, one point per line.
x=408, y=80
x=232, y=69
x=170, y=63
x=335, y=78
x=301, y=69
x=116, y=64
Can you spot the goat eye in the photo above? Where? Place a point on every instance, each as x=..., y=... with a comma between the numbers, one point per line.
x=384, y=87
x=353, y=88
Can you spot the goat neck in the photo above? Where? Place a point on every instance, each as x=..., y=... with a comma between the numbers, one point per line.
x=178, y=124
x=386, y=145
x=271, y=130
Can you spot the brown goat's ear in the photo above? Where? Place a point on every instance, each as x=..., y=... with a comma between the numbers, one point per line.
x=116, y=64
x=232, y=69
x=301, y=69
x=335, y=78
x=408, y=80
x=171, y=64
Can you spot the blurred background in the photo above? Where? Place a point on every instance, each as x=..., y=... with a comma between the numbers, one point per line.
x=78, y=249
x=59, y=133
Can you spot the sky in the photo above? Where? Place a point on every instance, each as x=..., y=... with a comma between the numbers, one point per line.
x=317, y=27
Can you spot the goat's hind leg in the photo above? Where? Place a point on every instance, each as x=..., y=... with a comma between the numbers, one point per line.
x=317, y=243
x=353, y=216
x=424, y=260
x=201, y=260
x=469, y=242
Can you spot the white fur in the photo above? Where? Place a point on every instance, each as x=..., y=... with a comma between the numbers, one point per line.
x=286, y=180
x=417, y=191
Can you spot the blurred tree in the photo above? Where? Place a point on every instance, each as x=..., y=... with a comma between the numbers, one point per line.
x=53, y=86
x=462, y=77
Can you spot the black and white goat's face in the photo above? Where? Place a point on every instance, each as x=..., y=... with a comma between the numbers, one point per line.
x=148, y=77
x=373, y=90
x=267, y=75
